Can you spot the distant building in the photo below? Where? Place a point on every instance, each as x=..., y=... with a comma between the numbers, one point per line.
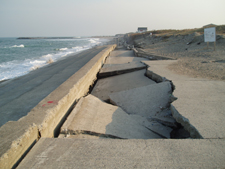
x=142, y=29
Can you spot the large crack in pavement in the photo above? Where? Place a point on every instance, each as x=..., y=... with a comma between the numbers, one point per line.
x=131, y=104
x=185, y=127
x=128, y=102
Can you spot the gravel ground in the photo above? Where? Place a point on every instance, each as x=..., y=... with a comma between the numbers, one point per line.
x=195, y=59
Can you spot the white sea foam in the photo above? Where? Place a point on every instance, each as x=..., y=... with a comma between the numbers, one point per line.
x=18, y=46
x=34, y=67
x=63, y=49
x=67, y=53
x=13, y=69
x=95, y=41
x=47, y=56
x=34, y=62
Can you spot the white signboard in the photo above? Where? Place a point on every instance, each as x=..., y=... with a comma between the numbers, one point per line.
x=210, y=34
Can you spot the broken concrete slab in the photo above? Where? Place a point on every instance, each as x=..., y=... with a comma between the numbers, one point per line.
x=200, y=104
x=164, y=117
x=115, y=153
x=116, y=69
x=95, y=117
x=154, y=126
x=157, y=78
x=194, y=133
x=123, y=60
x=159, y=129
x=166, y=121
x=105, y=87
x=145, y=101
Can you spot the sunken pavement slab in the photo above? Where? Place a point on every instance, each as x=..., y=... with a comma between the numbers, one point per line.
x=145, y=101
x=105, y=87
x=116, y=69
x=164, y=117
x=93, y=116
x=123, y=60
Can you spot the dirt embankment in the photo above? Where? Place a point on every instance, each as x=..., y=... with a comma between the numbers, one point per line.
x=194, y=58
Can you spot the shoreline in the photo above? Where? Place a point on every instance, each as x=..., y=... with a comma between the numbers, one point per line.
x=104, y=41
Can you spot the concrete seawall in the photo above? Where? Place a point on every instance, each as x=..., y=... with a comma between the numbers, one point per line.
x=44, y=120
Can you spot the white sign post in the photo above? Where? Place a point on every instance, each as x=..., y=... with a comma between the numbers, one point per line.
x=210, y=36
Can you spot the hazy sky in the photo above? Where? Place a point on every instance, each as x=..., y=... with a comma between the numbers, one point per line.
x=104, y=17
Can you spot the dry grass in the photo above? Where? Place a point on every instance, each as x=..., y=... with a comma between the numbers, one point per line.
x=173, y=32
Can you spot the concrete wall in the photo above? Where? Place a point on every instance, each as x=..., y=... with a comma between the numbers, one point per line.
x=44, y=120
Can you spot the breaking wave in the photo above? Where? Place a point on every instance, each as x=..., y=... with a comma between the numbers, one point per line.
x=18, y=46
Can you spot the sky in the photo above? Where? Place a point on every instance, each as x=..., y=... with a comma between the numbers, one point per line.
x=33, y=18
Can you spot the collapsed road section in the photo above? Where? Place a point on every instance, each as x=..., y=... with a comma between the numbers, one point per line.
x=98, y=134
x=125, y=103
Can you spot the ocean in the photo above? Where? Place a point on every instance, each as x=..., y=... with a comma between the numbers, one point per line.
x=20, y=56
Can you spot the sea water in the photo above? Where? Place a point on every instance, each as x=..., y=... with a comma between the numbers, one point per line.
x=20, y=56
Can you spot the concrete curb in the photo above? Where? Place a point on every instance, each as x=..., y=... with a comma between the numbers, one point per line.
x=140, y=53
x=135, y=52
x=45, y=119
x=157, y=78
x=106, y=72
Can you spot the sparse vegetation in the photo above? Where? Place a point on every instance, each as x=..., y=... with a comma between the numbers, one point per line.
x=220, y=29
x=188, y=47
